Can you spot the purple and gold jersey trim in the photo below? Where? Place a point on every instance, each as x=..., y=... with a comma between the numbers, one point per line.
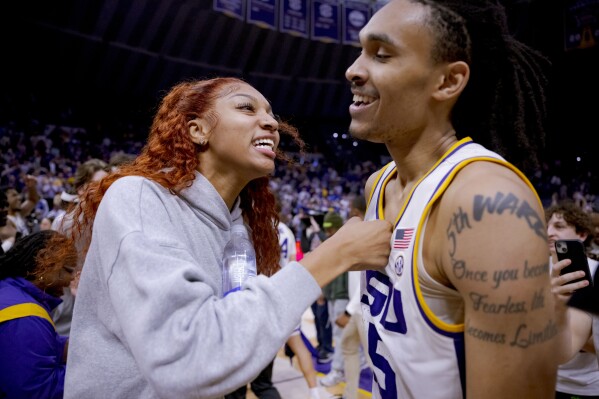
x=386, y=174
x=434, y=322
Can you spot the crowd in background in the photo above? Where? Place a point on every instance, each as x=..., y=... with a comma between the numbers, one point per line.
x=313, y=183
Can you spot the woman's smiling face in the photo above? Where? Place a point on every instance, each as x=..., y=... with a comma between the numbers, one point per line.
x=245, y=137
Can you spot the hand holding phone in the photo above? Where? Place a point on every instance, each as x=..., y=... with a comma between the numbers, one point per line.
x=583, y=298
x=573, y=250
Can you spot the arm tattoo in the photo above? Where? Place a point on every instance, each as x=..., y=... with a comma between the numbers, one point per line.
x=482, y=301
x=523, y=337
x=509, y=203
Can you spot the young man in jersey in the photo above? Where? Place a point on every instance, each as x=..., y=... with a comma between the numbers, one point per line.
x=464, y=307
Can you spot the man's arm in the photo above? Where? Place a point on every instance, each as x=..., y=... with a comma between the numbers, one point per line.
x=493, y=250
x=580, y=324
x=8, y=235
x=575, y=325
x=32, y=196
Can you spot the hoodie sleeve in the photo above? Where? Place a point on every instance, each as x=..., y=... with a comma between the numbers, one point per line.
x=199, y=342
x=186, y=340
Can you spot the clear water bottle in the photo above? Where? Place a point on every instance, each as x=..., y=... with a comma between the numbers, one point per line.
x=239, y=260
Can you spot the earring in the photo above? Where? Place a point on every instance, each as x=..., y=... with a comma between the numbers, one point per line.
x=41, y=278
x=203, y=141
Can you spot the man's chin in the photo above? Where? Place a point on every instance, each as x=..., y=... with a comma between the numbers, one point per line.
x=357, y=133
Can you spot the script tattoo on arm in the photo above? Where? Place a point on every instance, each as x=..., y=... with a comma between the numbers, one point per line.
x=457, y=224
x=523, y=337
x=481, y=301
x=509, y=203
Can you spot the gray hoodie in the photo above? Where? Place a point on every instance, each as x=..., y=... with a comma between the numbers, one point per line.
x=150, y=320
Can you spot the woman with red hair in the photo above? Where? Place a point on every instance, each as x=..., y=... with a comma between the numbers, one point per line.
x=150, y=318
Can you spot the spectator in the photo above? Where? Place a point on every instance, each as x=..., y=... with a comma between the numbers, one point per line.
x=337, y=297
x=594, y=245
x=579, y=377
x=89, y=171
x=32, y=354
x=353, y=340
x=18, y=211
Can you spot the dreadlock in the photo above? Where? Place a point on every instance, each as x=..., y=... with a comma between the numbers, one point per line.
x=37, y=253
x=504, y=106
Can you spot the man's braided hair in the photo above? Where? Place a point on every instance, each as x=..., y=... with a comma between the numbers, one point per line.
x=504, y=105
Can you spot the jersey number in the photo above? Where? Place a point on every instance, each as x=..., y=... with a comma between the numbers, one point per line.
x=284, y=249
x=381, y=303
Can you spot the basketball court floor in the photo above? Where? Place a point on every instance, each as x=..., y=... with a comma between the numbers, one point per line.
x=289, y=380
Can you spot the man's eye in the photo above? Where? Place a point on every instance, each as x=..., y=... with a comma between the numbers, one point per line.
x=380, y=56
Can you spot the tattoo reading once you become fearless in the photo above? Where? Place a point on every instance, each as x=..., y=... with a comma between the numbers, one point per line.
x=481, y=302
x=462, y=272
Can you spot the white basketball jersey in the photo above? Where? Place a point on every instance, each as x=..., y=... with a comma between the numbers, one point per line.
x=415, y=352
x=287, y=244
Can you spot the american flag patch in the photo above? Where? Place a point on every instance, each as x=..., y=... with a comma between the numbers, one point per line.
x=402, y=239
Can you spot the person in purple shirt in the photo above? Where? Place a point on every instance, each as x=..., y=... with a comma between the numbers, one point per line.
x=32, y=276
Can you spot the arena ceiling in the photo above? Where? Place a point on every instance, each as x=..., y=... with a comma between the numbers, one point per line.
x=132, y=50
x=140, y=47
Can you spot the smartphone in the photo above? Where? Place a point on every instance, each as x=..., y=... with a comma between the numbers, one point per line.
x=584, y=298
x=573, y=250
x=318, y=218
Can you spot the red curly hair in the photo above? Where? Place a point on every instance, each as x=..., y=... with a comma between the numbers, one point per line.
x=58, y=252
x=37, y=255
x=169, y=147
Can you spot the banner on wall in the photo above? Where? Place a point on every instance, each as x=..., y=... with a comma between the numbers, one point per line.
x=263, y=13
x=325, y=21
x=294, y=17
x=232, y=8
x=332, y=21
x=581, y=24
x=355, y=16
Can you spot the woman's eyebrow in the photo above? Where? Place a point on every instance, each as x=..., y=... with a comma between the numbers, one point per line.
x=249, y=96
x=245, y=95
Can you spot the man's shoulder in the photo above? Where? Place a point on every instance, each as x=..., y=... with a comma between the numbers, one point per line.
x=487, y=179
x=496, y=197
x=15, y=216
x=370, y=182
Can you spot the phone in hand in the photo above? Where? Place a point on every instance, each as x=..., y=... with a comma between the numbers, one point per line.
x=584, y=298
x=573, y=250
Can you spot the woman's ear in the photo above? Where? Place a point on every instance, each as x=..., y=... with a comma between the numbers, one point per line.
x=453, y=81
x=199, y=131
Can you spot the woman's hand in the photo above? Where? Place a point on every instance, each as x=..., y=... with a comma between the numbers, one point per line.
x=357, y=245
